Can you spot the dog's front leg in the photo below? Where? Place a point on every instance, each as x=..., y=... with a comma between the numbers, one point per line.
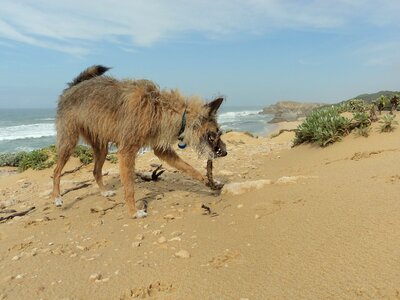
x=172, y=158
x=127, y=172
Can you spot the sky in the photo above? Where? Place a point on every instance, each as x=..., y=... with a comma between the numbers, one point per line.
x=253, y=52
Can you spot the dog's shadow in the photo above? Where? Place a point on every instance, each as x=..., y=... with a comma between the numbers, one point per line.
x=168, y=182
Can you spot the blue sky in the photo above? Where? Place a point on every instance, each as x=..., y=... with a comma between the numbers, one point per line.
x=254, y=52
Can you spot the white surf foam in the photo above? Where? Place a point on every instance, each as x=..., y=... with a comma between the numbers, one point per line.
x=232, y=116
x=27, y=131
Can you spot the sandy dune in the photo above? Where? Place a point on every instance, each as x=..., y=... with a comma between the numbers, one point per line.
x=325, y=225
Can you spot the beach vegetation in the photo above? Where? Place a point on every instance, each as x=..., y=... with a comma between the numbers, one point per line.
x=36, y=160
x=44, y=158
x=322, y=126
x=362, y=131
x=112, y=158
x=358, y=105
x=361, y=119
x=387, y=123
x=84, y=153
x=381, y=103
x=11, y=159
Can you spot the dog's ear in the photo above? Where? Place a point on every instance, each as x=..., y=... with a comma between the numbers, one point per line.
x=214, y=105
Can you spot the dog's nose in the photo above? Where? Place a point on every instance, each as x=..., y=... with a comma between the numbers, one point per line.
x=224, y=153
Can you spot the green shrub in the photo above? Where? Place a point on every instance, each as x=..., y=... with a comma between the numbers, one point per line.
x=358, y=105
x=363, y=131
x=387, y=123
x=361, y=119
x=112, y=158
x=84, y=153
x=323, y=126
x=11, y=159
x=36, y=160
x=381, y=103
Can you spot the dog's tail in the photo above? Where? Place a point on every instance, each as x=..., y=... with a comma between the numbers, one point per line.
x=89, y=73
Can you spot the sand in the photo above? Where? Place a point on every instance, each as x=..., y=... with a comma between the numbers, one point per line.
x=324, y=225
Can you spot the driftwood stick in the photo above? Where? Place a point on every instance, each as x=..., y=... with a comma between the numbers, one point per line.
x=78, y=187
x=211, y=183
x=209, y=173
x=17, y=214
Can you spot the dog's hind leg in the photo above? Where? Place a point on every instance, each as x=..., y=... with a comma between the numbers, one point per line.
x=172, y=158
x=100, y=154
x=65, y=149
x=127, y=173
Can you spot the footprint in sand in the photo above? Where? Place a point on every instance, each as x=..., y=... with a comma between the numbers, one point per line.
x=268, y=208
x=154, y=289
x=224, y=259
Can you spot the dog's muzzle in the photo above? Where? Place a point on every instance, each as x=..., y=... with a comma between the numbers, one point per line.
x=217, y=145
x=220, y=153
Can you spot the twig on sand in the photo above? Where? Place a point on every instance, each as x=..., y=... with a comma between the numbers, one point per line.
x=154, y=175
x=207, y=211
x=75, y=188
x=103, y=211
x=72, y=171
x=17, y=214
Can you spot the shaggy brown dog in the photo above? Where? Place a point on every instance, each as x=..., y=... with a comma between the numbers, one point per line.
x=132, y=114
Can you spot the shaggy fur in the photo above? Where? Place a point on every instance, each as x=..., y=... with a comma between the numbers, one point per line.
x=132, y=114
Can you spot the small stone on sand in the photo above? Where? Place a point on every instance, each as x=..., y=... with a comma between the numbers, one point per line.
x=161, y=240
x=182, y=254
x=136, y=244
x=139, y=237
x=95, y=276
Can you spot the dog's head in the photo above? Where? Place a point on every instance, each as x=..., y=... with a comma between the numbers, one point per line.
x=209, y=132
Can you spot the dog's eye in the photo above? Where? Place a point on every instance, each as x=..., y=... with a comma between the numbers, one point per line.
x=211, y=139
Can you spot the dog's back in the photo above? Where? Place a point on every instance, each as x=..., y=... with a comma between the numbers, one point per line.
x=103, y=109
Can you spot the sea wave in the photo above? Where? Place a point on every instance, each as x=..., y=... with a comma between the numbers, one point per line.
x=232, y=116
x=27, y=131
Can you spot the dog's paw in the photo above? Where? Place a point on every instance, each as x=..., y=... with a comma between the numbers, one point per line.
x=141, y=213
x=108, y=193
x=58, y=201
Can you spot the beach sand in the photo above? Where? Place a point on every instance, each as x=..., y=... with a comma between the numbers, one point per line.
x=312, y=223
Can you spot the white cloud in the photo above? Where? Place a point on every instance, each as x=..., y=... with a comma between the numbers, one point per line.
x=74, y=26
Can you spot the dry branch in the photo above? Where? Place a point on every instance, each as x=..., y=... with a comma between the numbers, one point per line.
x=103, y=211
x=75, y=188
x=17, y=214
x=211, y=183
x=72, y=171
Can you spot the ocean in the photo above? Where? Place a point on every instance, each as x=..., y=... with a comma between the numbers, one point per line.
x=29, y=129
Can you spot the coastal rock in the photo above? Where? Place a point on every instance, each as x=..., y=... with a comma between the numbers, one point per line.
x=238, y=188
x=288, y=111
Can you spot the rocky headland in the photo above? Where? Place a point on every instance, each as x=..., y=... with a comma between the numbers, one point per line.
x=289, y=111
